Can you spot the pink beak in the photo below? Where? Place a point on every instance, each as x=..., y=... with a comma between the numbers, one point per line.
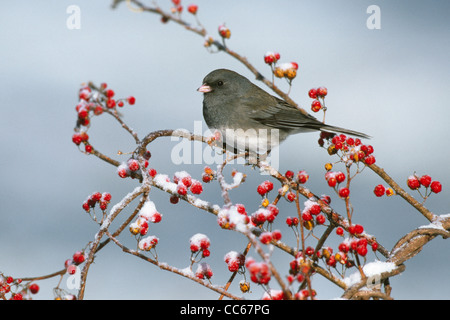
x=204, y=88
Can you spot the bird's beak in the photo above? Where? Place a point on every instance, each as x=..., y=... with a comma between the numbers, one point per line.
x=204, y=88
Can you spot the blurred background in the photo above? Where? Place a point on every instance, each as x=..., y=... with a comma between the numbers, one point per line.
x=391, y=83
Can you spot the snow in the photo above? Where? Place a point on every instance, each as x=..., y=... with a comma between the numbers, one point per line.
x=437, y=224
x=148, y=210
x=370, y=270
x=163, y=181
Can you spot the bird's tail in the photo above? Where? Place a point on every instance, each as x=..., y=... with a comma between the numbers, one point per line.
x=334, y=129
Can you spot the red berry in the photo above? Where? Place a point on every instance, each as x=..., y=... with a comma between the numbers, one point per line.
x=320, y=219
x=131, y=100
x=322, y=91
x=344, y=247
x=265, y=237
x=332, y=182
x=261, y=190
x=196, y=187
x=425, y=180
x=109, y=93
x=193, y=8
x=302, y=176
x=361, y=250
x=359, y=229
x=436, y=186
x=76, y=138
x=181, y=189
x=379, y=190
x=133, y=165
x=152, y=172
x=276, y=235
x=413, y=183
x=174, y=199
x=290, y=196
x=206, y=253
x=316, y=106
x=78, y=257
x=339, y=231
x=312, y=93
x=315, y=209
x=120, y=103
x=17, y=296
x=369, y=160
x=111, y=103
x=34, y=288
x=374, y=246
x=289, y=174
x=306, y=216
x=344, y=192
x=88, y=148
x=340, y=177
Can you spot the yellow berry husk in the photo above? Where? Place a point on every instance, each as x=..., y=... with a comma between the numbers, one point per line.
x=244, y=286
x=290, y=73
x=332, y=150
x=326, y=253
x=134, y=230
x=328, y=166
x=308, y=224
x=278, y=72
x=389, y=192
x=265, y=202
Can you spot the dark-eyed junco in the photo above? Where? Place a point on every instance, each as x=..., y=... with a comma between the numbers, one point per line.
x=248, y=118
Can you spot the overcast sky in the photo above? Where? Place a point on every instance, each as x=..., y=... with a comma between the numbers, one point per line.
x=391, y=83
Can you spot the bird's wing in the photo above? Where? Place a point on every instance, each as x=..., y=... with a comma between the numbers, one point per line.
x=281, y=115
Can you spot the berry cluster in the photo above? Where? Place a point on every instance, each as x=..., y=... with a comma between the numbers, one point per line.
x=132, y=165
x=72, y=263
x=200, y=243
x=102, y=199
x=262, y=215
x=184, y=183
x=203, y=271
x=259, y=271
x=318, y=94
x=286, y=70
x=93, y=102
x=267, y=236
x=381, y=190
x=235, y=216
x=148, y=243
x=148, y=213
x=224, y=32
x=415, y=182
x=16, y=289
x=311, y=210
x=350, y=150
x=234, y=260
x=208, y=175
x=273, y=294
x=177, y=7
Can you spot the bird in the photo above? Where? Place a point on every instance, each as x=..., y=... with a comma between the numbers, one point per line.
x=247, y=118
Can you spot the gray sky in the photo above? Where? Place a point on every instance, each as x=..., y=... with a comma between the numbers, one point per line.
x=390, y=83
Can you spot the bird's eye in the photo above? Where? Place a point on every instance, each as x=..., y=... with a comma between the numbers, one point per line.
x=220, y=83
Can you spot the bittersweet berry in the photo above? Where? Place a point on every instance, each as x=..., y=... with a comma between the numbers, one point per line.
x=196, y=187
x=436, y=186
x=322, y=91
x=379, y=190
x=413, y=182
x=344, y=192
x=316, y=106
x=425, y=180
x=34, y=288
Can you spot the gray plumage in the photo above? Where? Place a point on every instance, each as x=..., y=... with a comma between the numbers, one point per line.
x=232, y=103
